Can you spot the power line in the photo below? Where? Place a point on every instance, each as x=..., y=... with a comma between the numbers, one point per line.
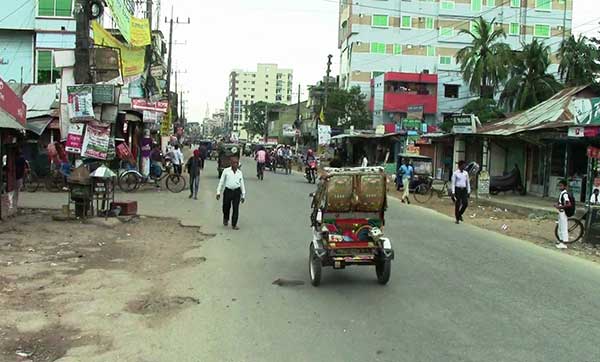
x=19, y=8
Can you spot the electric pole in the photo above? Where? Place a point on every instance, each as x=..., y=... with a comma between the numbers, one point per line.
x=266, y=122
x=298, y=109
x=170, y=56
x=82, y=42
x=327, y=78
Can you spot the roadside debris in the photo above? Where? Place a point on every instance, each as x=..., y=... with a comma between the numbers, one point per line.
x=287, y=283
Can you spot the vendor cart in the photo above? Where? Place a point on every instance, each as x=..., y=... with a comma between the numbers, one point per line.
x=347, y=219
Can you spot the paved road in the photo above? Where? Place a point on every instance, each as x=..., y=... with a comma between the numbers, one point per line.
x=457, y=293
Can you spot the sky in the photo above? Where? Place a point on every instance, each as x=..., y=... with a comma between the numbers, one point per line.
x=238, y=34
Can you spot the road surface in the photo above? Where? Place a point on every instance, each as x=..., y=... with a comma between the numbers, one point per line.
x=457, y=293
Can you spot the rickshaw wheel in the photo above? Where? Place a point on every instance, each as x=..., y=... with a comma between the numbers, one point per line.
x=314, y=267
x=383, y=269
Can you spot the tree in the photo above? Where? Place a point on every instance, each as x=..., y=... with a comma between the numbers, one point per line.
x=578, y=61
x=347, y=108
x=485, y=109
x=256, y=123
x=483, y=63
x=529, y=84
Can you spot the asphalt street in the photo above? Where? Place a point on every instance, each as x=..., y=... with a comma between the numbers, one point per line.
x=457, y=293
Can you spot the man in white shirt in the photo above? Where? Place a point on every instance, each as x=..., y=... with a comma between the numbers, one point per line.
x=461, y=189
x=364, y=162
x=177, y=159
x=564, y=202
x=234, y=191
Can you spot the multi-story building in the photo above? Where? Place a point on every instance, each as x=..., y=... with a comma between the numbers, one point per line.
x=268, y=84
x=423, y=36
x=30, y=32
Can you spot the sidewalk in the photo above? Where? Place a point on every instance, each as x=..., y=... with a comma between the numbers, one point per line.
x=523, y=205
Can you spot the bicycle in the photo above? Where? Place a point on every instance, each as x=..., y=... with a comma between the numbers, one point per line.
x=132, y=180
x=55, y=181
x=576, y=229
x=31, y=181
x=425, y=191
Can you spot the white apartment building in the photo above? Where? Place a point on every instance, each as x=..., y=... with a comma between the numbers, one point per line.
x=268, y=83
x=422, y=36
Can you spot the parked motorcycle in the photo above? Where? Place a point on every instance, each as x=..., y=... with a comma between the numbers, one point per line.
x=311, y=171
x=509, y=182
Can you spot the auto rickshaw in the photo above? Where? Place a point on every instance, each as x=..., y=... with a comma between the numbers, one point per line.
x=226, y=152
x=423, y=169
x=347, y=218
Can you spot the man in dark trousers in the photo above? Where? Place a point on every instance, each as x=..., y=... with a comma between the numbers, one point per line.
x=193, y=167
x=461, y=190
x=234, y=191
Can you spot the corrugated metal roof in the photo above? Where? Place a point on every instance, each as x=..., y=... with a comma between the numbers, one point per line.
x=40, y=97
x=7, y=121
x=553, y=113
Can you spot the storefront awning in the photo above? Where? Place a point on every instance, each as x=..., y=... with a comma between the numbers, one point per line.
x=38, y=125
x=6, y=121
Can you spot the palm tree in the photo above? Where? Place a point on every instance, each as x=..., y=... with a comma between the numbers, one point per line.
x=578, y=64
x=483, y=63
x=529, y=84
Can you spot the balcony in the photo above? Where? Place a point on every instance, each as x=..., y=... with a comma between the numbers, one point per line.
x=399, y=102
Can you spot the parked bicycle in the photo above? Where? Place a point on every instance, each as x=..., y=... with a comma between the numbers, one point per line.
x=132, y=180
x=31, y=181
x=576, y=229
x=425, y=191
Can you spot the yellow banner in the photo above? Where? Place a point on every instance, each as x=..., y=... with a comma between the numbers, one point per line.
x=132, y=58
x=140, y=32
x=166, y=128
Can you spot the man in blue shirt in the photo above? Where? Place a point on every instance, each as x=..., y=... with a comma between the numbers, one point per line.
x=406, y=172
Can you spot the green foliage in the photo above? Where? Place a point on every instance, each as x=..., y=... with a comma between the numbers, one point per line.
x=529, y=84
x=578, y=61
x=256, y=120
x=483, y=63
x=485, y=109
x=347, y=108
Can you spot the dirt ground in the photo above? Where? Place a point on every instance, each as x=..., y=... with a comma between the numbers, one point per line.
x=538, y=228
x=70, y=289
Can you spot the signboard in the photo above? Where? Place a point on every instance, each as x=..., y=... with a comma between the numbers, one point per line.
x=103, y=93
x=166, y=127
x=380, y=129
x=415, y=112
x=146, y=105
x=586, y=111
x=75, y=138
x=151, y=117
x=324, y=135
x=140, y=32
x=463, y=124
x=132, y=58
x=12, y=104
x=287, y=130
x=80, y=103
x=483, y=183
x=135, y=31
x=411, y=124
x=157, y=71
x=576, y=132
x=96, y=142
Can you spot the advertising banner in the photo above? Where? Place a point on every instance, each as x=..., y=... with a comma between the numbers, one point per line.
x=75, y=138
x=12, y=104
x=140, y=32
x=415, y=112
x=132, y=58
x=80, y=103
x=463, y=124
x=576, y=132
x=287, y=130
x=586, y=111
x=324, y=135
x=96, y=142
x=146, y=105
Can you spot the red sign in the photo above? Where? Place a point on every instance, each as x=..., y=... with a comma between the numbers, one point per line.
x=591, y=131
x=12, y=104
x=146, y=105
x=593, y=152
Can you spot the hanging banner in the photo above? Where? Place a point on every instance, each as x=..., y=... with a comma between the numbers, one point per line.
x=132, y=58
x=80, y=103
x=586, y=111
x=75, y=138
x=415, y=112
x=96, y=142
x=324, y=135
x=146, y=105
x=166, y=127
x=140, y=32
x=12, y=104
x=135, y=31
x=576, y=132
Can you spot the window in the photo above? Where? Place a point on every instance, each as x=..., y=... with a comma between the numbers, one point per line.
x=514, y=29
x=445, y=60
x=515, y=3
x=380, y=21
x=446, y=32
x=397, y=49
x=451, y=90
x=430, y=51
x=46, y=72
x=476, y=5
x=545, y=5
x=378, y=48
x=406, y=22
x=491, y=2
x=55, y=8
x=429, y=23
x=542, y=31
x=447, y=4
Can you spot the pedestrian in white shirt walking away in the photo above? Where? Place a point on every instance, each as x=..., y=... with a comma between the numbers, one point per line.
x=564, y=207
x=365, y=161
x=177, y=159
x=232, y=186
x=461, y=190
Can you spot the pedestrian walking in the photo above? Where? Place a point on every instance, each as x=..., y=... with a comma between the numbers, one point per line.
x=177, y=159
x=203, y=155
x=461, y=190
x=364, y=162
x=193, y=167
x=232, y=186
x=406, y=171
x=565, y=210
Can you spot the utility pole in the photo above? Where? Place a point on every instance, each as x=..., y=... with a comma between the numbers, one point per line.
x=82, y=42
x=324, y=104
x=298, y=109
x=266, y=122
x=170, y=56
